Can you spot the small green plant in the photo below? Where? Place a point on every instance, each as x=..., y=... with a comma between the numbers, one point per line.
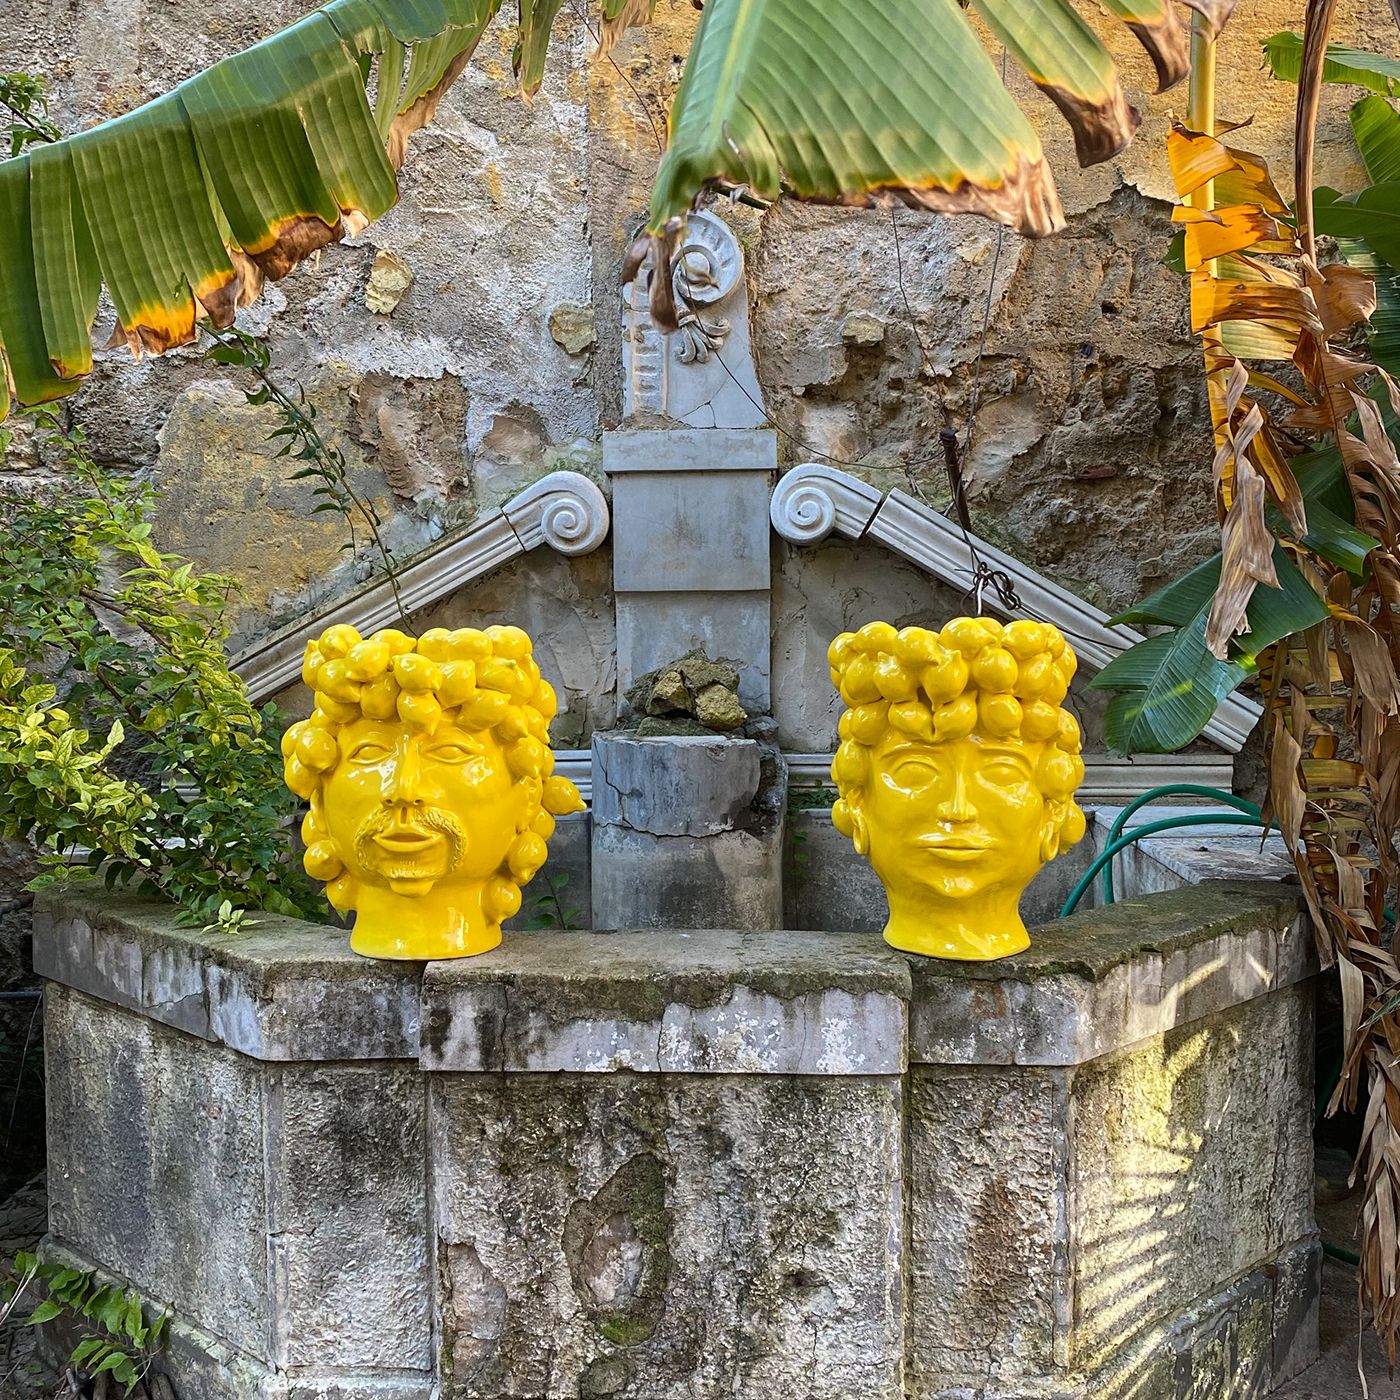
x=302, y=441
x=26, y=101
x=811, y=799
x=114, y=1336
x=548, y=909
x=126, y=742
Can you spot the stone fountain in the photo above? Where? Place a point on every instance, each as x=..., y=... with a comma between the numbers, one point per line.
x=722, y=1141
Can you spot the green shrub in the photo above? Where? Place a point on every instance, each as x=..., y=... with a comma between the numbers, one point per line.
x=126, y=742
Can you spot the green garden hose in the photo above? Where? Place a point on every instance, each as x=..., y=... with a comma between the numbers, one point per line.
x=1168, y=790
x=1151, y=829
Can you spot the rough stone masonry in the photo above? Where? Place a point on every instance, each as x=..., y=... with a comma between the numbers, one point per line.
x=670, y=1164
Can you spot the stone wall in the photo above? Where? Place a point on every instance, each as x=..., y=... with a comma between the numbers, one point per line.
x=1090, y=456
x=656, y=1164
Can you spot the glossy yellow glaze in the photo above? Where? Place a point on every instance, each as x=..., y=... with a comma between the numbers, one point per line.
x=428, y=771
x=957, y=771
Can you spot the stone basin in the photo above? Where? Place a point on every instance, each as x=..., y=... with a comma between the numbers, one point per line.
x=669, y=1164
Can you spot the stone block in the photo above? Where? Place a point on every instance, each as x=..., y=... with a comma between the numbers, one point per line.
x=690, y=509
x=248, y=991
x=1137, y=1227
x=657, y=1238
x=653, y=629
x=730, y=880
x=656, y=1164
x=674, y=786
x=674, y=1001
x=1167, y=1133
x=1094, y=983
x=348, y=1254
x=687, y=833
x=156, y=1151
x=691, y=533
x=987, y=1214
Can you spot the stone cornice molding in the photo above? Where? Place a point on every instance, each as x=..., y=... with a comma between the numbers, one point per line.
x=564, y=510
x=813, y=501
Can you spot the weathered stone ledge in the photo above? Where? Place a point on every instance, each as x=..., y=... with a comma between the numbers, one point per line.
x=684, y=1001
x=1106, y=979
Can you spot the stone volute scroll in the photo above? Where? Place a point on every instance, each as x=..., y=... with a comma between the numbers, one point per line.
x=564, y=510
x=957, y=772
x=811, y=502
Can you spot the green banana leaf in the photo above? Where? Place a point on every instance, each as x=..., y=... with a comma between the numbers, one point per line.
x=1170, y=685
x=863, y=104
x=1283, y=56
x=184, y=206
x=1383, y=329
x=1376, y=126
x=1372, y=215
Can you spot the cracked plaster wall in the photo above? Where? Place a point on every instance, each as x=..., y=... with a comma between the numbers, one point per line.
x=1090, y=455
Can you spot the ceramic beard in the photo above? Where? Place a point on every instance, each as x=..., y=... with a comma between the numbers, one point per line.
x=428, y=770
x=957, y=771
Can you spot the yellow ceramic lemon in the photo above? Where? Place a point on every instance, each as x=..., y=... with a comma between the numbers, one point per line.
x=957, y=771
x=428, y=770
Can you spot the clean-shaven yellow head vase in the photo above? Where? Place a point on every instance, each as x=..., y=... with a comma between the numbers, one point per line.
x=957, y=771
x=428, y=770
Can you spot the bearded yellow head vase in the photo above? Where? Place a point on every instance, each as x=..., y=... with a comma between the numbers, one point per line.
x=428, y=769
x=957, y=771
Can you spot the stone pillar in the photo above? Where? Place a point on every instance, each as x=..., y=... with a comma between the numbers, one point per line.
x=691, y=566
x=687, y=832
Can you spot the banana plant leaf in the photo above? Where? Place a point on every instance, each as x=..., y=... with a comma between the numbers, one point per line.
x=864, y=104
x=1372, y=215
x=1170, y=685
x=1376, y=126
x=1383, y=329
x=183, y=207
x=1283, y=56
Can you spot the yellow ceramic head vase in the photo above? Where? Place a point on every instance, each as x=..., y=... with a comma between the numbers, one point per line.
x=427, y=767
x=957, y=771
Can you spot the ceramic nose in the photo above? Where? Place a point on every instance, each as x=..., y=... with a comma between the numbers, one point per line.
x=957, y=808
x=403, y=779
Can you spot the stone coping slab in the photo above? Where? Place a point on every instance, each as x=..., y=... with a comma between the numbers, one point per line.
x=283, y=990
x=1108, y=978
x=703, y=1001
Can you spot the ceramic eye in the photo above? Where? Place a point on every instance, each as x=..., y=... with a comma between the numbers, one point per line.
x=1005, y=772
x=369, y=751
x=915, y=773
x=451, y=753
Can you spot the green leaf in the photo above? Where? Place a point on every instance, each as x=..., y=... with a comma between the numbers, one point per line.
x=1283, y=55
x=1155, y=24
x=1171, y=687
x=903, y=100
x=182, y=206
x=45, y=1312
x=1172, y=684
x=1067, y=61
x=1372, y=215
x=1376, y=126
x=1383, y=329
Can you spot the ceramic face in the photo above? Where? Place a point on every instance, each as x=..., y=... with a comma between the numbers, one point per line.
x=957, y=770
x=427, y=768
x=407, y=809
x=959, y=817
